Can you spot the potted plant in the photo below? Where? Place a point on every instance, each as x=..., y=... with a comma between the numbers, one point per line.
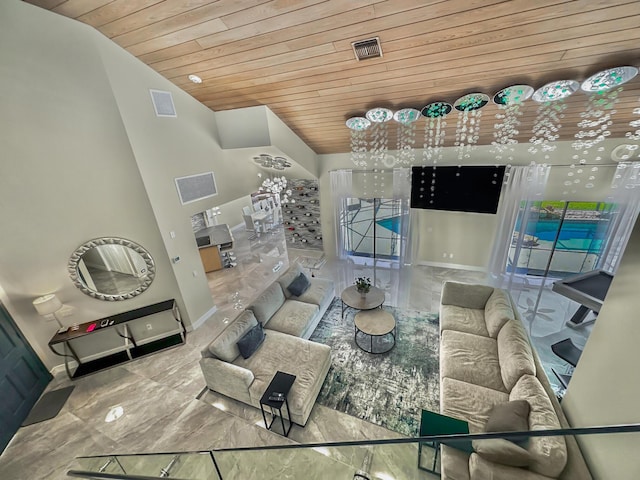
x=363, y=285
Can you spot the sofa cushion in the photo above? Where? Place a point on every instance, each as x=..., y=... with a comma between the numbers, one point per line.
x=470, y=358
x=268, y=303
x=454, y=463
x=502, y=451
x=482, y=469
x=465, y=294
x=511, y=416
x=251, y=341
x=308, y=361
x=225, y=346
x=293, y=317
x=498, y=311
x=319, y=293
x=299, y=285
x=460, y=319
x=548, y=454
x=514, y=353
x=289, y=276
x=469, y=402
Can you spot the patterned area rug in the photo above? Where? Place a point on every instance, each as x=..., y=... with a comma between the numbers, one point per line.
x=388, y=389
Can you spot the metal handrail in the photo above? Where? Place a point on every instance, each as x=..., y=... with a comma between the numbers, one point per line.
x=457, y=437
x=448, y=438
x=111, y=476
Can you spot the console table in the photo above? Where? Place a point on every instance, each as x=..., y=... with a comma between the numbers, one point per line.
x=119, y=338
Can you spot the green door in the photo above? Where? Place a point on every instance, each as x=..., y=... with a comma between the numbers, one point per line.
x=23, y=377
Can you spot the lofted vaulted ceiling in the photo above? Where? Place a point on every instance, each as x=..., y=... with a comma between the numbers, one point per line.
x=295, y=56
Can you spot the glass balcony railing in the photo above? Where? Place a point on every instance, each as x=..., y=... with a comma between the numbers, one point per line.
x=183, y=465
x=389, y=459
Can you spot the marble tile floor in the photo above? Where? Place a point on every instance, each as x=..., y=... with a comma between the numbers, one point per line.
x=158, y=392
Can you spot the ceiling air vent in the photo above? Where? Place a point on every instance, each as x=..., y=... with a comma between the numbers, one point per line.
x=369, y=48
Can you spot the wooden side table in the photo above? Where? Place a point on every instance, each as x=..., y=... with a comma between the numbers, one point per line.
x=375, y=323
x=352, y=298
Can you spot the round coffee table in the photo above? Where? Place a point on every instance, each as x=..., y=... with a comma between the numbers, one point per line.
x=375, y=323
x=352, y=298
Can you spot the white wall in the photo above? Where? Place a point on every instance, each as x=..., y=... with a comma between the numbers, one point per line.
x=605, y=388
x=84, y=156
x=165, y=148
x=291, y=145
x=68, y=171
x=243, y=127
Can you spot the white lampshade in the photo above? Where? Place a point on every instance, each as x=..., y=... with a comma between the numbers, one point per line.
x=47, y=304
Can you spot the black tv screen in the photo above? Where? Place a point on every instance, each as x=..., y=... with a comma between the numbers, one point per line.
x=460, y=189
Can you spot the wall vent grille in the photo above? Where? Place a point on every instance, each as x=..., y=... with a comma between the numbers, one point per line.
x=369, y=48
x=163, y=103
x=196, y=187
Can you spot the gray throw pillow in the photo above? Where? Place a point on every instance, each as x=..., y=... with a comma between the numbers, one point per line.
x=299, y=285
x=251, y=341
x=510, y=416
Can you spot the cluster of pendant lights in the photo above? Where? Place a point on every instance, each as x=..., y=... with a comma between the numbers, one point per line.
x=268, y=161
x=545, y=129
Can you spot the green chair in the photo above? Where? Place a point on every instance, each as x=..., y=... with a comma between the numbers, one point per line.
x=432, y=423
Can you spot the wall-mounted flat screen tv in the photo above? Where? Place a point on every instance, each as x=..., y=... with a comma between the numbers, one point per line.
x=460, y=189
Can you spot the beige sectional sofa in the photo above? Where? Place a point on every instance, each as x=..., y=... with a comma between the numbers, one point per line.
x=486, y=360
x=288, y=321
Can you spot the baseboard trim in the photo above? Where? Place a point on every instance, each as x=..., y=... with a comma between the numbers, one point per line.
x=198, y=323
x=60, y=368
x=453, y=265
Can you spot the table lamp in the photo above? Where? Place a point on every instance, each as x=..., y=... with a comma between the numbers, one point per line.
x=48, y=305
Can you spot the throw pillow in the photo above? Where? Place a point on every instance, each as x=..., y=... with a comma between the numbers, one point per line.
x=250, y=341
x=501, y=451
x=510, y=416
x=299, y=285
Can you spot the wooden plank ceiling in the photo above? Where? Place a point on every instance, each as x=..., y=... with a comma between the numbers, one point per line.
x=296, y=57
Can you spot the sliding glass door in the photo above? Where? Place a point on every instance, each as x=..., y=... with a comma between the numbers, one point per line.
x=372, y=228
x=560, y=238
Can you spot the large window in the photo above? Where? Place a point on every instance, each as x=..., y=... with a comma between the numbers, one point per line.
x=560, y=238
x=371, y=228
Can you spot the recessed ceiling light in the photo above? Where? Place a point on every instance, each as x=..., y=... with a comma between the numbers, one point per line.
x=608, y=79
x=513, y=95
x=406, y=115
x=195, y=78
x=555, y=91
x=437, y=109
x=471, y=101
x=358, y=123
x=379, y=115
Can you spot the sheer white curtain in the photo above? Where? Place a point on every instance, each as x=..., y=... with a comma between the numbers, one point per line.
x=341, y=190
x=523, y=184
x=402, y=197
x=625, y=193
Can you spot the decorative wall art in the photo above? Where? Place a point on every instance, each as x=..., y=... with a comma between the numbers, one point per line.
x=302, y=218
